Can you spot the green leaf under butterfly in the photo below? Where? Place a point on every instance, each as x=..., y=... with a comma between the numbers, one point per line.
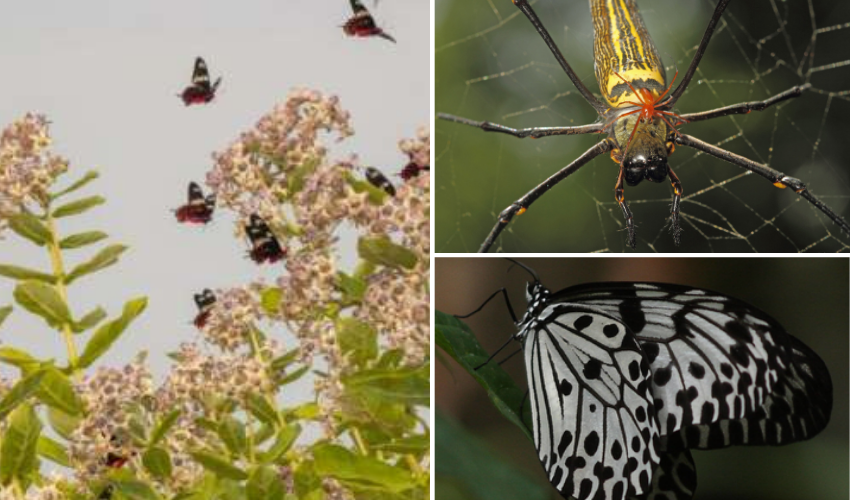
x=78, y=206
x=109, y=332
x=84, y=180
x=382, y=251
x=360, y=471
x=82, y=239
x=43, y=300
x=456, y=339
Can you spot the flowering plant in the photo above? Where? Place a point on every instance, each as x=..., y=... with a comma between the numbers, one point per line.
x=220, y=423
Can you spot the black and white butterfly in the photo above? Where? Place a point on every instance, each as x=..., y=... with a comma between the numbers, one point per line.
x=198, y=208
x=205, y=302
x=362, y=24
x=264, y=245
x=625, y=378
x=200, y=91
x=379, y=180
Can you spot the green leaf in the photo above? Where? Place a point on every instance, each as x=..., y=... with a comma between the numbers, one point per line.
x=307, y=411
x=103, y=259
x=357, y=470
x=380, y=250
x=282, y=362
x=62, y=423
x=82, y=239
x=157, y=461
x=418, y=444
x=270, y=300
x=357, y=339
x=133, y=489
x=57, y=392
x=18, y=358
x=352, y=287
x=219, y=465
x=401, y=385
x=43, y=300
x=456, y=339
x=285, y=438
x=164, y=426
x=5, y=311
x=262, y=409
x=295, y=177
x=109, y=332
x=78, y=206
x=89, y=320
x=265, y=483
x=292, y=377
x=19, y=392
x=18, y=457
x=88, y=177
x=53, y=451
x=232, y=434
x=30, y=227
x=23, y=273
x=472, y=463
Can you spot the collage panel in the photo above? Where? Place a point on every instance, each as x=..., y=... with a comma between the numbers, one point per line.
x=634, y=377
x=735, y=111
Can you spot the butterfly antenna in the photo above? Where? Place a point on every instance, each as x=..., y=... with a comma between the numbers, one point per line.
x=497, y=292
x=528, y=269
x=509, y=357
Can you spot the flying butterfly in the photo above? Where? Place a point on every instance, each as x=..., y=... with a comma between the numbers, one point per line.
x=379, y=180
x=362, y=24
x=200, y=91
x=264, y=245
x=205, y=301
x=198, y=209
x=625, y=378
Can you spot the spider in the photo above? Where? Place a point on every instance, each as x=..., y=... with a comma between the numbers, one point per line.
x=637, y=115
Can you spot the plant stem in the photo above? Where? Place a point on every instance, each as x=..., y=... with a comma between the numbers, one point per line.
x=59, y=272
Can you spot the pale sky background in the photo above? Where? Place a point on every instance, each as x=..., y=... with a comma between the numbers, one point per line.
x=106, y=74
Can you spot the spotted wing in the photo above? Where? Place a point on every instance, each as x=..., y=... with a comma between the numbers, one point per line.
x=593, y=418
x=201, y=75
x=723, y=372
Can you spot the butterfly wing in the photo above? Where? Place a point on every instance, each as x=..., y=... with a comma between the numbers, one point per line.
x=723, y=372
x=201, y=75
x=195, y=194
x=593, y=418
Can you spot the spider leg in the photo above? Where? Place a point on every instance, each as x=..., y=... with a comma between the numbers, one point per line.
x=533, y=132
x=703, y=44
x=619, y=195
x=745, y=107
x=778, y=179
x=583, y=90
x=674, y=210
x=523, y=203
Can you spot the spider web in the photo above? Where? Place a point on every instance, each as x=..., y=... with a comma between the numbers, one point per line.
x=492, y=65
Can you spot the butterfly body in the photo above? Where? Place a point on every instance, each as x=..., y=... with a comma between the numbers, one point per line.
x=625, y=378
x=362, y=24
x=205, y=301
x=198, y=208
x=265, y=247
x=412, y=170
x=200, y=91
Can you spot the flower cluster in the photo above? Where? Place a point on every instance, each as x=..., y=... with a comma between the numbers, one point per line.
x=111, y=397
x=231, y=319
x=27, y=169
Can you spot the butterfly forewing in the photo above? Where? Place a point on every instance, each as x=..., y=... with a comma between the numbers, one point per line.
x=201, y=75
x=592, y=410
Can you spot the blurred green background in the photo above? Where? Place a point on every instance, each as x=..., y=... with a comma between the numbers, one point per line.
x=809, y=297
x=492, y=65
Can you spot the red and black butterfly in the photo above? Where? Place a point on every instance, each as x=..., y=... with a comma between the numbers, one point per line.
x=264, y=245
x=204, y=301
x=412, y=170
x=198, y=209
x=200, y=91
x=363, y=24
x=379, y=180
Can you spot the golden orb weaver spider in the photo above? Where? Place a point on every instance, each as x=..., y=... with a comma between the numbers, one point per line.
x=637, y=114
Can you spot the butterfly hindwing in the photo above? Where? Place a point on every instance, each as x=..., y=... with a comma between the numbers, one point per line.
x=594, y=425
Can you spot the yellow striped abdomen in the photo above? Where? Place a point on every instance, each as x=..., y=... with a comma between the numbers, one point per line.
x=621, y=44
